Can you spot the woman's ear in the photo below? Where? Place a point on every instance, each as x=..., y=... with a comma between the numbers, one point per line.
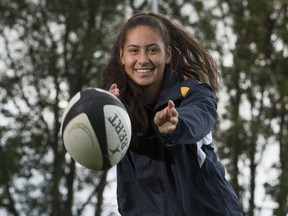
x=168, y=55
x=121, y=56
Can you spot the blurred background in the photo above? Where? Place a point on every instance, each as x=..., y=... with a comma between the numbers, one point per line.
x=51, y=49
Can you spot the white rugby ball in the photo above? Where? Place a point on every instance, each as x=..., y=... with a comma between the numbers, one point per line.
x=96, y=129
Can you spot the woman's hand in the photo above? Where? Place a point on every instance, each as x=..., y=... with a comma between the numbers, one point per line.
x=166, y=120
x=114, y=90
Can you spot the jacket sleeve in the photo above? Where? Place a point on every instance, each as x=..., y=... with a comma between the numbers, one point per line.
x=197, y=116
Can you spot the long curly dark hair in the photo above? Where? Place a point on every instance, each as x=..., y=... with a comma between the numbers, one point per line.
x=188, y=58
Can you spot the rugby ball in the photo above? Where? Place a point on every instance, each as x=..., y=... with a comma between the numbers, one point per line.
x=96, y=129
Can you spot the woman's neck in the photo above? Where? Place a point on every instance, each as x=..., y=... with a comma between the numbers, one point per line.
x=151, y=94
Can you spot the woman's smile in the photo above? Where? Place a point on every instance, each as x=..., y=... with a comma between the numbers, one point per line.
x=144, y=72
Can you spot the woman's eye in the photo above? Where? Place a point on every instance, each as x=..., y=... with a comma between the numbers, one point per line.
x=153, y=50
x=133, y=50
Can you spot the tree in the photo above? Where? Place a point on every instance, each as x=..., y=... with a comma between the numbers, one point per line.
x=51, y=51
x=254, y=84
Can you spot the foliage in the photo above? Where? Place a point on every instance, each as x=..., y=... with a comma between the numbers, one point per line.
x=52, y=49
x=257, y=98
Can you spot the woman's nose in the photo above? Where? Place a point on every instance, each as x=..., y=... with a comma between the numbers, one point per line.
x=143, y=58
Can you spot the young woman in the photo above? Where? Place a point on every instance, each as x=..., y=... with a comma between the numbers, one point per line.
x=166, y=81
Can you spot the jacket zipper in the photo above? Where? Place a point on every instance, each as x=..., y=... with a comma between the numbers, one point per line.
x=160, y=183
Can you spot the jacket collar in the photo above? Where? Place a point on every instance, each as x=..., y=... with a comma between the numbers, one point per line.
x=170, y=87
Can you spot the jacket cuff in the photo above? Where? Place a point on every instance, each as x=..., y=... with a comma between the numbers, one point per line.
x=165, y=139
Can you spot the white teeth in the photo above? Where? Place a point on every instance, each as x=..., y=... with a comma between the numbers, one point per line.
x=143, y=70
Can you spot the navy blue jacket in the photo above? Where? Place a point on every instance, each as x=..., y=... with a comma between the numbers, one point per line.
x=178, y=174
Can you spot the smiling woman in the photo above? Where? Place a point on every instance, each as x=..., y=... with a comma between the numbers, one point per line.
x=159, y=71
x=144, y=57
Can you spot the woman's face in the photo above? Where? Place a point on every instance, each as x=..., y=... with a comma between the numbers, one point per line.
x=144, y=57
